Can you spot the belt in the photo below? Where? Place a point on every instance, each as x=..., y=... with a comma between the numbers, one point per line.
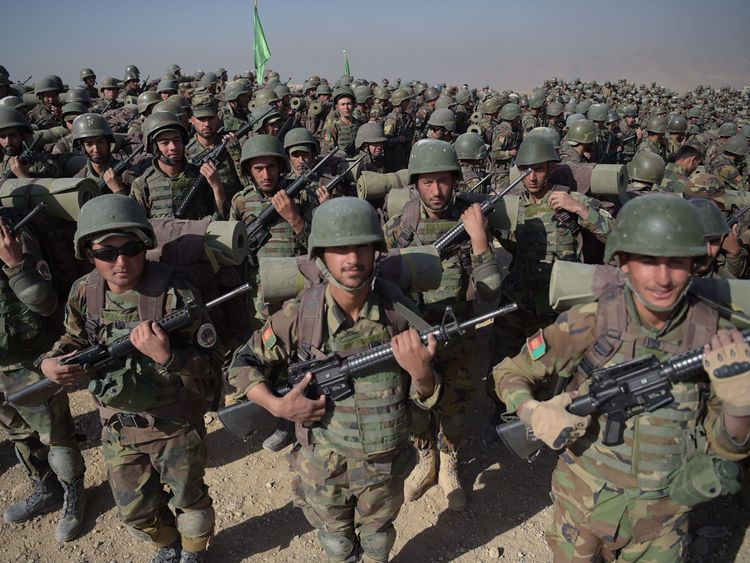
x=131, y=420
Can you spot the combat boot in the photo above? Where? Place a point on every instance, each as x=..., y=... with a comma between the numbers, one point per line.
x=45, y=496
x=74, y=505
x=281, y=438
x=169, y=553
x=423, y=476
x=448, y=481
x=193, y=556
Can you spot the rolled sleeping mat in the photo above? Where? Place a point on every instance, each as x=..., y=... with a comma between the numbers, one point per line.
x=372, y=185
x=505, y=215
x=586, y=178
x=51, y=135
x=228, y=241
x=64, y=196
x=395, y=201
x=182, y=242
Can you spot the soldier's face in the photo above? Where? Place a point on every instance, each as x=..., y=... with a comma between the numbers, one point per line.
x=207, y=126
x=324, y=97
x=629, y=119
x=272, y=127
x=97, y=148
x=110, y=93
x=170, y=145
x=536, y=182
x=658, y=280
x=50, y=99
x=376, y=149
x=351, y=266
x=11, y=141
x=298, y=158
x=89, y=81
x=436, y=189
x=345, y=106
x=265, y=171
x=126, y=271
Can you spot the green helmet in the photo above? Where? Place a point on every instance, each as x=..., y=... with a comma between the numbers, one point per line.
x=12, y=102
x=400, y=95
x=444, y=118
x=234, y=89
x=314, y=79
x=343, y=92
x=282, y=90
x=382, y=93
x=146, y=100
x=130, y=76
x=430, y=94
x=300, y=138
x=445, y=102
x=470, y=146
x=72, y=108
x=369, y=133
x=14, y=118
x=490, y=106
x=47, y=84
x=583, y=106
x=158, y=122
x=510, y=111
x=548, y=133
x=582, y=132
x=536, y=149
x=166, y=86
x=612, y=117
x=322, y=89
x=537, y=99
x=646, y=167
x=694, y=111
x=714, y=223
x=657, y=124
x=431, y=155
x=266, y=98
x=629, y=111
x=345, y=221
x=109, y=83
x=174, y=69
x=463, y=96
x=264, y=145
x=745, y=131
x=79, y=95
x=736, y=145
x=659, y=225
x=677, y=124
x=555, y=108
x=727, y=129
x=133, y=69
x=261, y=115
x=112, y=213
x=598, y=112
x=87, y=73
x=362, y=94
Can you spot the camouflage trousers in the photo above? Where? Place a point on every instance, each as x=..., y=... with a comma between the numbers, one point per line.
x=140, y=463
x=32, y=429
x=589, y=523
x=352, y=503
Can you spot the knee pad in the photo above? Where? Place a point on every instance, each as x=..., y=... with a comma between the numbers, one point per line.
x=196, y=523
x=67, y=463
x=338, y=546
x=377, y=546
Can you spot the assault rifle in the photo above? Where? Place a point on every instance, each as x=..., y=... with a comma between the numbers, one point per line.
x=26, y=157
x=455, y=234
x=332, y=376
x=145, y=83
x=102, y=356
x=621, y=391
x=737, y=215
x=259, y=231
x=213, y=156
x=15, y=227
x=118, y=169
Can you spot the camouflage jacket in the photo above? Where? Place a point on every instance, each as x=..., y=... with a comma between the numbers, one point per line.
x=728, y=172
x=504, y=139
x=228, y=165
x=44, y=118
x=568, y=155
x=674, y=180
x=649, y=145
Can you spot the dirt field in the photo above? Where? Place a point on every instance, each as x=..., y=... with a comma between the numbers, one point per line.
x=508, y=510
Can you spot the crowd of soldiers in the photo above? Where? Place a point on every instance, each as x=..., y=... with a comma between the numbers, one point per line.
x=148, y=144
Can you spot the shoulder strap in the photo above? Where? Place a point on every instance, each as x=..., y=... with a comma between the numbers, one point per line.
x=400, y=315
x=152, y=289
x=409, y=222
x=310, y=321
x=702, y=322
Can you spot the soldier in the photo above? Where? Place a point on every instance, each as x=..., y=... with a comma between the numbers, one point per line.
x=15, y=135
x=489, y=109
x=715, y=142
x=109, y=90
x=677, y=128
x=88, y=81
x=152, y=406
x=726, y=258
x=629, y=131
x=64, y=146
x=579, y=143
x=399, y=130
x=441, y=125
x=472, y=156
x=645, y=173
x=265, y=122
x=164, y=185
x=727, y=165
x=93, y=137
x=47, y=113
x=145, y=103
x=614, y=501
x=342, y=130
x=237, y=95
x=532, y=117
x=431, y=211
x=166, y=88
x=371, y=140
x=352, y=454
x=555, y=117
x=206, y=123
x=656, y=127
x=382, y=105
x=302, y=150
x=677, y=174
x=506, y=139
x=364, y=98
x=550, y=221
x=43, y=435
x=422, y=116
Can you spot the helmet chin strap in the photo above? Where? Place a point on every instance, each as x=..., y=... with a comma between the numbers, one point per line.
x=329, y=276
x=166, y=160
x=650, y=306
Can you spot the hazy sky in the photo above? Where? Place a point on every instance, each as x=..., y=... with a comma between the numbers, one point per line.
x=506, y=44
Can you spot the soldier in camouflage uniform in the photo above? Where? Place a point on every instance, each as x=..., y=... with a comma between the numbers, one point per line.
x=145, y=103
x=431, y=211
x=677, y=174
x=302, y=150
x=506, y=139
x=88, y=81
x=152, y=405
x=364, y=98
x=629, y=132
x=399, y=130
x=677, y=128
x=472, y=156
x=234, y=113
x=161, y=189
x=47, y=113
x=341, y=131
x=422, y=116
x=441, y=125
x=726, y=258
x=614, y=501
x=653, y=142
x=371, y=140
x=43, y=435
x=206, y=123
x=489, y=109
x=532, y=117
x=15, y=132
x=645, y=173
x=714, y=141
x=64, y=146
x=549, y=224
x=727, y=165
x=578, y=145
x=353, y=454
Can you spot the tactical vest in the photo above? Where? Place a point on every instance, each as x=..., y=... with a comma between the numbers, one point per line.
x=655, y=444
x=21, y=330
x=374, y=420
x=166, y=194
x=346, y=133
x=282, y=243
x=139, y=386
x=224, y=166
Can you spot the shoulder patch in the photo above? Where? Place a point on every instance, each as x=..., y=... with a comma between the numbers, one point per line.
x=268, y=337
x=536, y=345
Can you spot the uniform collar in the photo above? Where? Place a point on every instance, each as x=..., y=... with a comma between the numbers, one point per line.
x=337, y=319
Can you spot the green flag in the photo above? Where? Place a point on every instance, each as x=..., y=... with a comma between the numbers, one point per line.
x=261, y=51
x=346, y=64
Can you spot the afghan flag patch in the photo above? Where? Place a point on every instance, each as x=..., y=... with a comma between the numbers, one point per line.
x=536, y=345
x=268, y=337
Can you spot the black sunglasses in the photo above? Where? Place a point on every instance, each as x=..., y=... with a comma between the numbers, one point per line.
x=110, y=253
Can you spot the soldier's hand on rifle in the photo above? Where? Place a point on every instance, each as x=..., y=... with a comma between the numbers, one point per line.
x=552, y=423
x=113, y=181
x=60, y=374
x=295, y=405
x=476, y=227
x=513, y=152
x=285, y=207
x=731, y=243
x=726, y=360
x=20, y=170
x=322, y=193
x=151, y=340
x=211, y=173
x=562, y=200
x=639, y=133
x=414, y=358
x=11, y=250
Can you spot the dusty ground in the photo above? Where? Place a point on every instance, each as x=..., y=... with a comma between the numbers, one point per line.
x=508, y=510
